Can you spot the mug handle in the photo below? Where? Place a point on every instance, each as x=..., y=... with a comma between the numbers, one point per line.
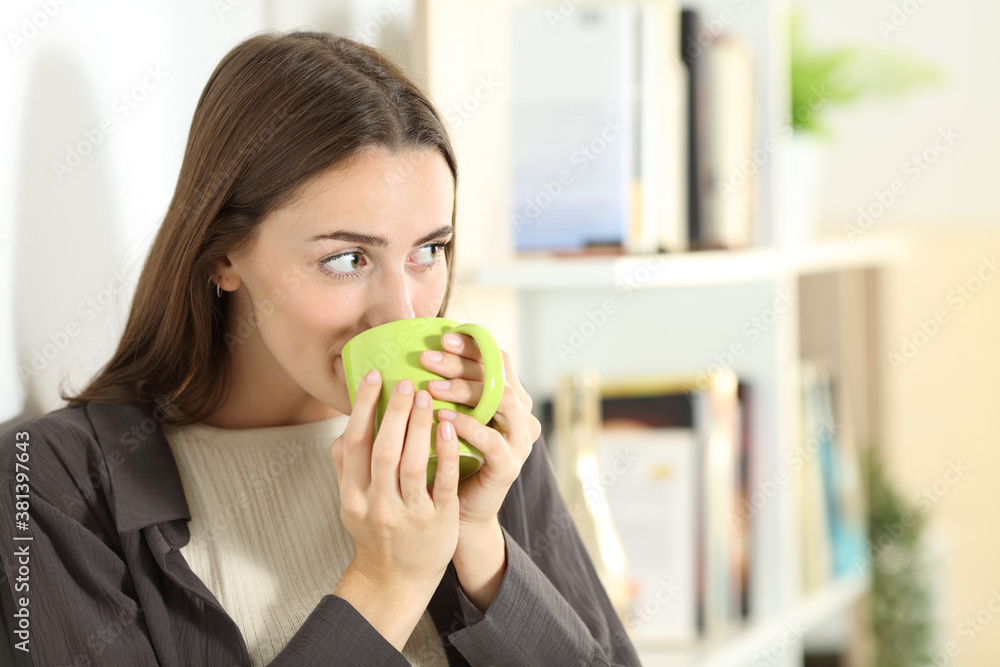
x=493, y=370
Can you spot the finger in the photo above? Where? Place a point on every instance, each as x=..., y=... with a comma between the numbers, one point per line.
x=337, y=452
x=357, y=437
x=388, y=443
x=520, y=432
x=446, y=478
x=416, y=450
x=514, y=381
x=511, y=414
x=451, y=365
x=499, y=452
x=462, y=345
x=487, y=440
x=466, y=392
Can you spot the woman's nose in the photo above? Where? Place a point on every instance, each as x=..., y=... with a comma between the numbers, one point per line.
x=392, y=299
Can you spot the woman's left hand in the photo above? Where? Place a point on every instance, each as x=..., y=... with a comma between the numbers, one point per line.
x=505, y=446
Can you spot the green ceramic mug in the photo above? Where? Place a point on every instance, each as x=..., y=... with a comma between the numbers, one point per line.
x=394, y=349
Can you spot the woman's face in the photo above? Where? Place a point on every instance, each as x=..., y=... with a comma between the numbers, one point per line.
x=361, y=246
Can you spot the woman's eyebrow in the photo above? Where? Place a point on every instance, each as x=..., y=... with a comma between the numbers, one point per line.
x=373, y=240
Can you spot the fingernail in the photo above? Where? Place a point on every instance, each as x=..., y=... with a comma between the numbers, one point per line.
x=446, y=414
x=447, y=431
x=441, y=384
x=404, y=386
x=452, y=340
x=435, y=356
x=423, y=399
x=372, y=376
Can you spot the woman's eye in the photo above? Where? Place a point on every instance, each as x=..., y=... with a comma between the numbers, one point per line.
x=428, y=254
x=346, y=263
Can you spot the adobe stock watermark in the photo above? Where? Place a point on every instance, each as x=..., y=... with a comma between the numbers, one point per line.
x=121, y=108
x=245, y=327
x=377, y=20
x=561, y=14
x=712, y=29
x=959, y=297
x=900, y=15
x=767, y=489
x=595, y=319
x=650, y=606
x=593, y=492
x=284, y=454
x=57, y=341
x=970, y=628
x=913, y=169
x=129, y=442
x=207, y=189
x=31, y=24
x=223, y=7
x=759, y=156
x=100, y=640
x=776, y=652
x=752, y=330
x=457, y=111
x=581, y=158
x=926, y=498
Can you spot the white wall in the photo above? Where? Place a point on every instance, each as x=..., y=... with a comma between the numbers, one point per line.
x=940, y=406
x=72, y=243
x=99, y=218
x=942, y=424
x=874, y=142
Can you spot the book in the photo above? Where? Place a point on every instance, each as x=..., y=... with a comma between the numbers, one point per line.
x=660, y=224
x=669, y=452
x=834, y=508
x=573, y=127
x=653, y=495
x=721, y=103
x=731, y=144
x=597, y=129
x=698, y=118
x=576, y=418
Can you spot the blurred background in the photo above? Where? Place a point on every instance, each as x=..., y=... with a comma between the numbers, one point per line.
x=742, y=253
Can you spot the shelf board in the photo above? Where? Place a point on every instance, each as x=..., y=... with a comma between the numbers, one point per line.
x=693, y=268
x=742, y=646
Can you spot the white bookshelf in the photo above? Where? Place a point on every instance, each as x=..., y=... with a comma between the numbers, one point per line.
x=691, y=269
x=678, y=322
x=756, y=642
x=681, y=311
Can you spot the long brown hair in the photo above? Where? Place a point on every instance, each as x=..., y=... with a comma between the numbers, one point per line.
x=278, y=110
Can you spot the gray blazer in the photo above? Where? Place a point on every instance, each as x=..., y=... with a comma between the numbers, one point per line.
x=94, y=575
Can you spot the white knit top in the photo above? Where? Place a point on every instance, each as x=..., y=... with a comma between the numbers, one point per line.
x=266, y=535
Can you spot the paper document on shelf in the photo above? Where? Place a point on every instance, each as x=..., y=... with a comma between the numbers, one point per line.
x=572, y=126
x=650, y=477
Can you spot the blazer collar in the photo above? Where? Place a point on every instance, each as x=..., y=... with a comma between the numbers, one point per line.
x=144, y=481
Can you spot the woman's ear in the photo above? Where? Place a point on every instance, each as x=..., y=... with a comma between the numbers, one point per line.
x=226, y=276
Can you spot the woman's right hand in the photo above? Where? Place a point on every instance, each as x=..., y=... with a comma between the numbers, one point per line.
x=405, y=534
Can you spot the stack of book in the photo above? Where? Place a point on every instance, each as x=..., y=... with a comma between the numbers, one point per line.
x=633, y=131
x=671, y=469
x=834, y=524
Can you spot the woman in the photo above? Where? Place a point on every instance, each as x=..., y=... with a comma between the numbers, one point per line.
x=187, y=507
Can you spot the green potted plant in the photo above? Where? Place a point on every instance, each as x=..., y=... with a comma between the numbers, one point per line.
x=823, y=79
x=900, y=604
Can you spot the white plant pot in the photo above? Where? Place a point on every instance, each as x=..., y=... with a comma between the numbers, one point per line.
x=803, y=189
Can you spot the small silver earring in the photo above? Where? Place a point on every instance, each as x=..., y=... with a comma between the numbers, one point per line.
x=217, y=292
